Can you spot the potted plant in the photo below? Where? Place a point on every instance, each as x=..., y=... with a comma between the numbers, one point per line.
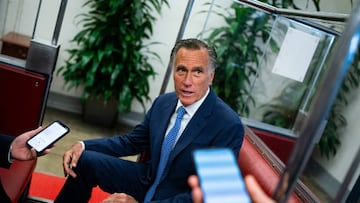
x=238, y=53
x=110, y=59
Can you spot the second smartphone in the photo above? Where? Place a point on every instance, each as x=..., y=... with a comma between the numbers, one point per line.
x=48, y=136
x=219, y=175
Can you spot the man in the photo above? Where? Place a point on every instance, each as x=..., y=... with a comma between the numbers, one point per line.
x=15, y=148
x=208, y=122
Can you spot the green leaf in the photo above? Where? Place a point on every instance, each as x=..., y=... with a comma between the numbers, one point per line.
x=110, y=58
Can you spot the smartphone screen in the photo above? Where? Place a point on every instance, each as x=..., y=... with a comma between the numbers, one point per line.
x=220, y=177
x=48, y=136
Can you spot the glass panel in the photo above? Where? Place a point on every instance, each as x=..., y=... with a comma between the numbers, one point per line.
x=288, y=73
x=257, y=76
x=17, y=22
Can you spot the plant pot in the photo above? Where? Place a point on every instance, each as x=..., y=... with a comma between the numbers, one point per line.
x=99, y=112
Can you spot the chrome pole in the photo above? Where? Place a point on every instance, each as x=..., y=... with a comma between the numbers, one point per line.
x=179, y=36
x=59, y=20
x=36, y=19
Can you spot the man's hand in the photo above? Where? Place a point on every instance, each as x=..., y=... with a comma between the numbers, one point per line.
x=20, y=150
x=196, y=192
x=255, y=191
x=71, y=158
x=119, y=198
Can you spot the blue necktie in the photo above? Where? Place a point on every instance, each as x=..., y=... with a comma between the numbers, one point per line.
x=166, y=147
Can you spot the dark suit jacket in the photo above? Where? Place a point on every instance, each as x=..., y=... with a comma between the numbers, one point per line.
x=214, y=124
x=5, y=142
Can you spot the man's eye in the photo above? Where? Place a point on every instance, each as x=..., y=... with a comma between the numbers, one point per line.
x=180, y=71
x=197, y=72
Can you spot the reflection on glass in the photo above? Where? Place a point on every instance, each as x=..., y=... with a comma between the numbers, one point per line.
x=257, y=75
x=284, y=86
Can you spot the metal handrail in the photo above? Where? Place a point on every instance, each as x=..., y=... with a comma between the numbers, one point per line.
x=296, y=13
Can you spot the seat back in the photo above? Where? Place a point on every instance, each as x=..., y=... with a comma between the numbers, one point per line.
x=257, y=159
x=22, y=98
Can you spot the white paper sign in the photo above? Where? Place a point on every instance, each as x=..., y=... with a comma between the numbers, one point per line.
x=295, y=54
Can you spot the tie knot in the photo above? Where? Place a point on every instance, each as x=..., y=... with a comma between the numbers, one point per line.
x=181, y=112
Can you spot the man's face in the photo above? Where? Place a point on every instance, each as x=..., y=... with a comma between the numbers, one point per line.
x=192, y=75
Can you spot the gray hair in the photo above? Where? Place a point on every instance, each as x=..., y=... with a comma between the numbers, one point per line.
x=194, y=44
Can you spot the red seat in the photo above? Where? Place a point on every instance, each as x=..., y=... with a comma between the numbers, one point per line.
x=257, y=159
x=21, y=105
x=16, y=179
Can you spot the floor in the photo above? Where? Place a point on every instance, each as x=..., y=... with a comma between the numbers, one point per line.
x=52, y=163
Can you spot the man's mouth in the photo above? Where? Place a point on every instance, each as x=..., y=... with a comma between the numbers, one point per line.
x=186, y=93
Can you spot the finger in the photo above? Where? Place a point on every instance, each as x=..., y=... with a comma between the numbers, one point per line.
x=193, y=181
x=66, y=162
x=255, y=191
x=32, y=133
x=65, y=169
x=76, y=151
x=68, y=171
x=46, y=151
x=72, y=173
x=196, y=192
x=74, y=160
x=33, y=153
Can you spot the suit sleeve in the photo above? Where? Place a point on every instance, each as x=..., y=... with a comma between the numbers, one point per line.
x=131, y=143
x=5, y=142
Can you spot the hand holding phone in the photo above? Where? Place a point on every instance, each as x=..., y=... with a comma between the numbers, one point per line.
x=48, y=136
x=220, y=177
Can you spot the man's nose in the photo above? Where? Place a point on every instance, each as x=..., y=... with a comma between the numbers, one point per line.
x=188, y=79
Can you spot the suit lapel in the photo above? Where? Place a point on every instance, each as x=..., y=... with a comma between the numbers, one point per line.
x=192, y=130
x=163, y=119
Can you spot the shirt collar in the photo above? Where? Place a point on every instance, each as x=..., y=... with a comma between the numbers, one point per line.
x=191, y=109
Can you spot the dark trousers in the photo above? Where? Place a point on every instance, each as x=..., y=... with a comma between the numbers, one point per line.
x=3, y=196
x=111, y=174
x=354, y=195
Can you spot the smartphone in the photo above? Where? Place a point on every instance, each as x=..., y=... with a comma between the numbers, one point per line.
x=48, y=136
x=220, y=177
